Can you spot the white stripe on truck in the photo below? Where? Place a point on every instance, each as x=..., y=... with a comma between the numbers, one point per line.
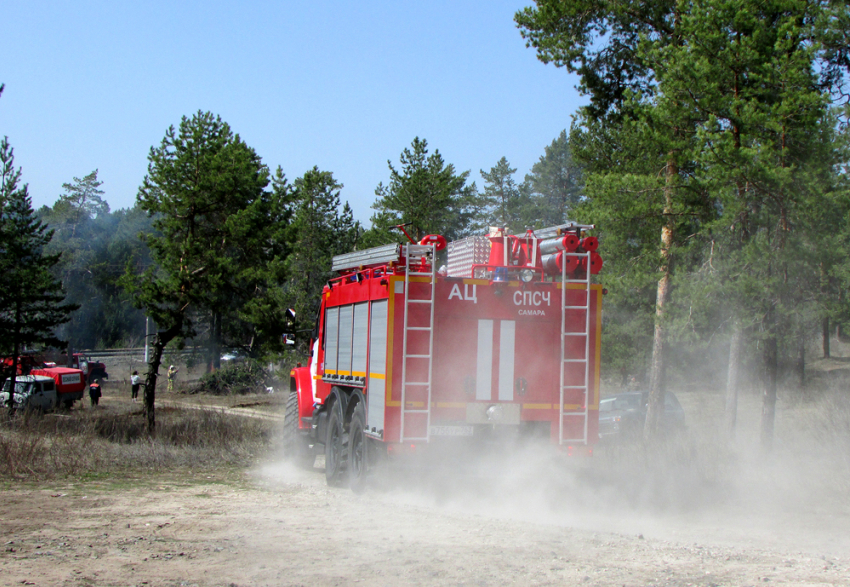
x=506, y=360
x=484, y=374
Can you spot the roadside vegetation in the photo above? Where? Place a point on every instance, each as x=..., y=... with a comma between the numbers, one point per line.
x=247, y=376
x=96, y=442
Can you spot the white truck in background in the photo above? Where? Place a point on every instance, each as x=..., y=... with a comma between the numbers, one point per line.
x=32, y=392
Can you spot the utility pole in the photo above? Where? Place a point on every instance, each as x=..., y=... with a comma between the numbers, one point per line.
x=147, y=334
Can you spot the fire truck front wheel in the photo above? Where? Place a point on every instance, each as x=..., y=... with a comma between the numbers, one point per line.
x=336, y=447
x=295, y=445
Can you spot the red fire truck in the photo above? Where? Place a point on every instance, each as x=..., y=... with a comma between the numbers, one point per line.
x=503, y=338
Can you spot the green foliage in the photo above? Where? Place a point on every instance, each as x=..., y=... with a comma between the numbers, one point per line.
x=599, y=40
x=631, y=200
x=205, y=190
x=425, y=192
x=503, y=201
x=261, y=309
x=761, y=130
x=96, y=246
x=548, y=195
x=709, y=121
x=202, y=183
x=554, y=186
x=247, y=376
x=320, y=229
x=82, y=200
x=31, y=299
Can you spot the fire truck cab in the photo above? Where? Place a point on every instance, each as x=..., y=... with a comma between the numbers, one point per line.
x=503, y=339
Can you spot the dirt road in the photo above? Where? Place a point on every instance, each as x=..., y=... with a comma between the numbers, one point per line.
x=707, y=519
x=279, y=525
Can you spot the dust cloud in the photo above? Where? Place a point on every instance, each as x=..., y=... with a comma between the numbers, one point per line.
x=697, y=487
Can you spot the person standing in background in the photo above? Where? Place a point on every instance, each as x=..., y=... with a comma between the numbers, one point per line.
x=135, y=383
x=94, y=393
x=172, y=373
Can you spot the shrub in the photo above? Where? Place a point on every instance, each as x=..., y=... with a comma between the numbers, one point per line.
x=246, y=376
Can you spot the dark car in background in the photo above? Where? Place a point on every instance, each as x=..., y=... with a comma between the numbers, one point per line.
x=622, y=416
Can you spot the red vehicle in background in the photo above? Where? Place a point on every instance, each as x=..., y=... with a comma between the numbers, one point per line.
x=25, y=364
x=500, y=342
x=94, y=370
x=70, y=383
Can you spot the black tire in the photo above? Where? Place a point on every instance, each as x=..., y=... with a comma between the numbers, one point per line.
x=336, y=448
x=295, y=446
x=358, y=456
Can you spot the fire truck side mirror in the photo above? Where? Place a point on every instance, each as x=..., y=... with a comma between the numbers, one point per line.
x=289, y=326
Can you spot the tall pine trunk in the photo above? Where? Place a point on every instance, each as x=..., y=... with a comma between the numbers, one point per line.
x=214, y=345
x=771, y=348
x=824, y=290
x=655, y=406
x=736, y=342
x=771, y=369
x=16, y=348
x=160, y=340
x=217, y=346
x=210, y=342
x=825, y=337
x=732, y=380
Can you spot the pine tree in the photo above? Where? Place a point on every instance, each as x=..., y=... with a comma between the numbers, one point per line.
x=555, y=183
x=31, y=299
x=260, y=304
x=701, y=115
x=625, y=125
x=425, y=192
x=319, y=230
x=82, y=201
x=83, y=231
x=761, y=149
x=504, y=203
x=200, y=182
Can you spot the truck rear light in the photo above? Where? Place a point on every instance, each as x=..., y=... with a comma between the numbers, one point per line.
x=577, y=451
x=401, y=449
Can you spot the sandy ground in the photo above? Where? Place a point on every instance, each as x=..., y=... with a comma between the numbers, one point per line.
x=784, y=521
x=278, y=525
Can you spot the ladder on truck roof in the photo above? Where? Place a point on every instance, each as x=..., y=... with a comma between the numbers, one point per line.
x=420, y=390
x=375, y=256
x=584, y=388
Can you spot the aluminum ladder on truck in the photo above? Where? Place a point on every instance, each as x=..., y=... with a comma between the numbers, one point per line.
x=584, y=362
x=408, y=386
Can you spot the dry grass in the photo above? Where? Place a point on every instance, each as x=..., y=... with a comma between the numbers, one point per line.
x=92, y=442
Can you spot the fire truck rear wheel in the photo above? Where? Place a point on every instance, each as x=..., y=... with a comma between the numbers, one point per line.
x=358, y=461
x=336, y=448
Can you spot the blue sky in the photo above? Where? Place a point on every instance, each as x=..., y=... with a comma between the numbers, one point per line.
x=341, y=85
